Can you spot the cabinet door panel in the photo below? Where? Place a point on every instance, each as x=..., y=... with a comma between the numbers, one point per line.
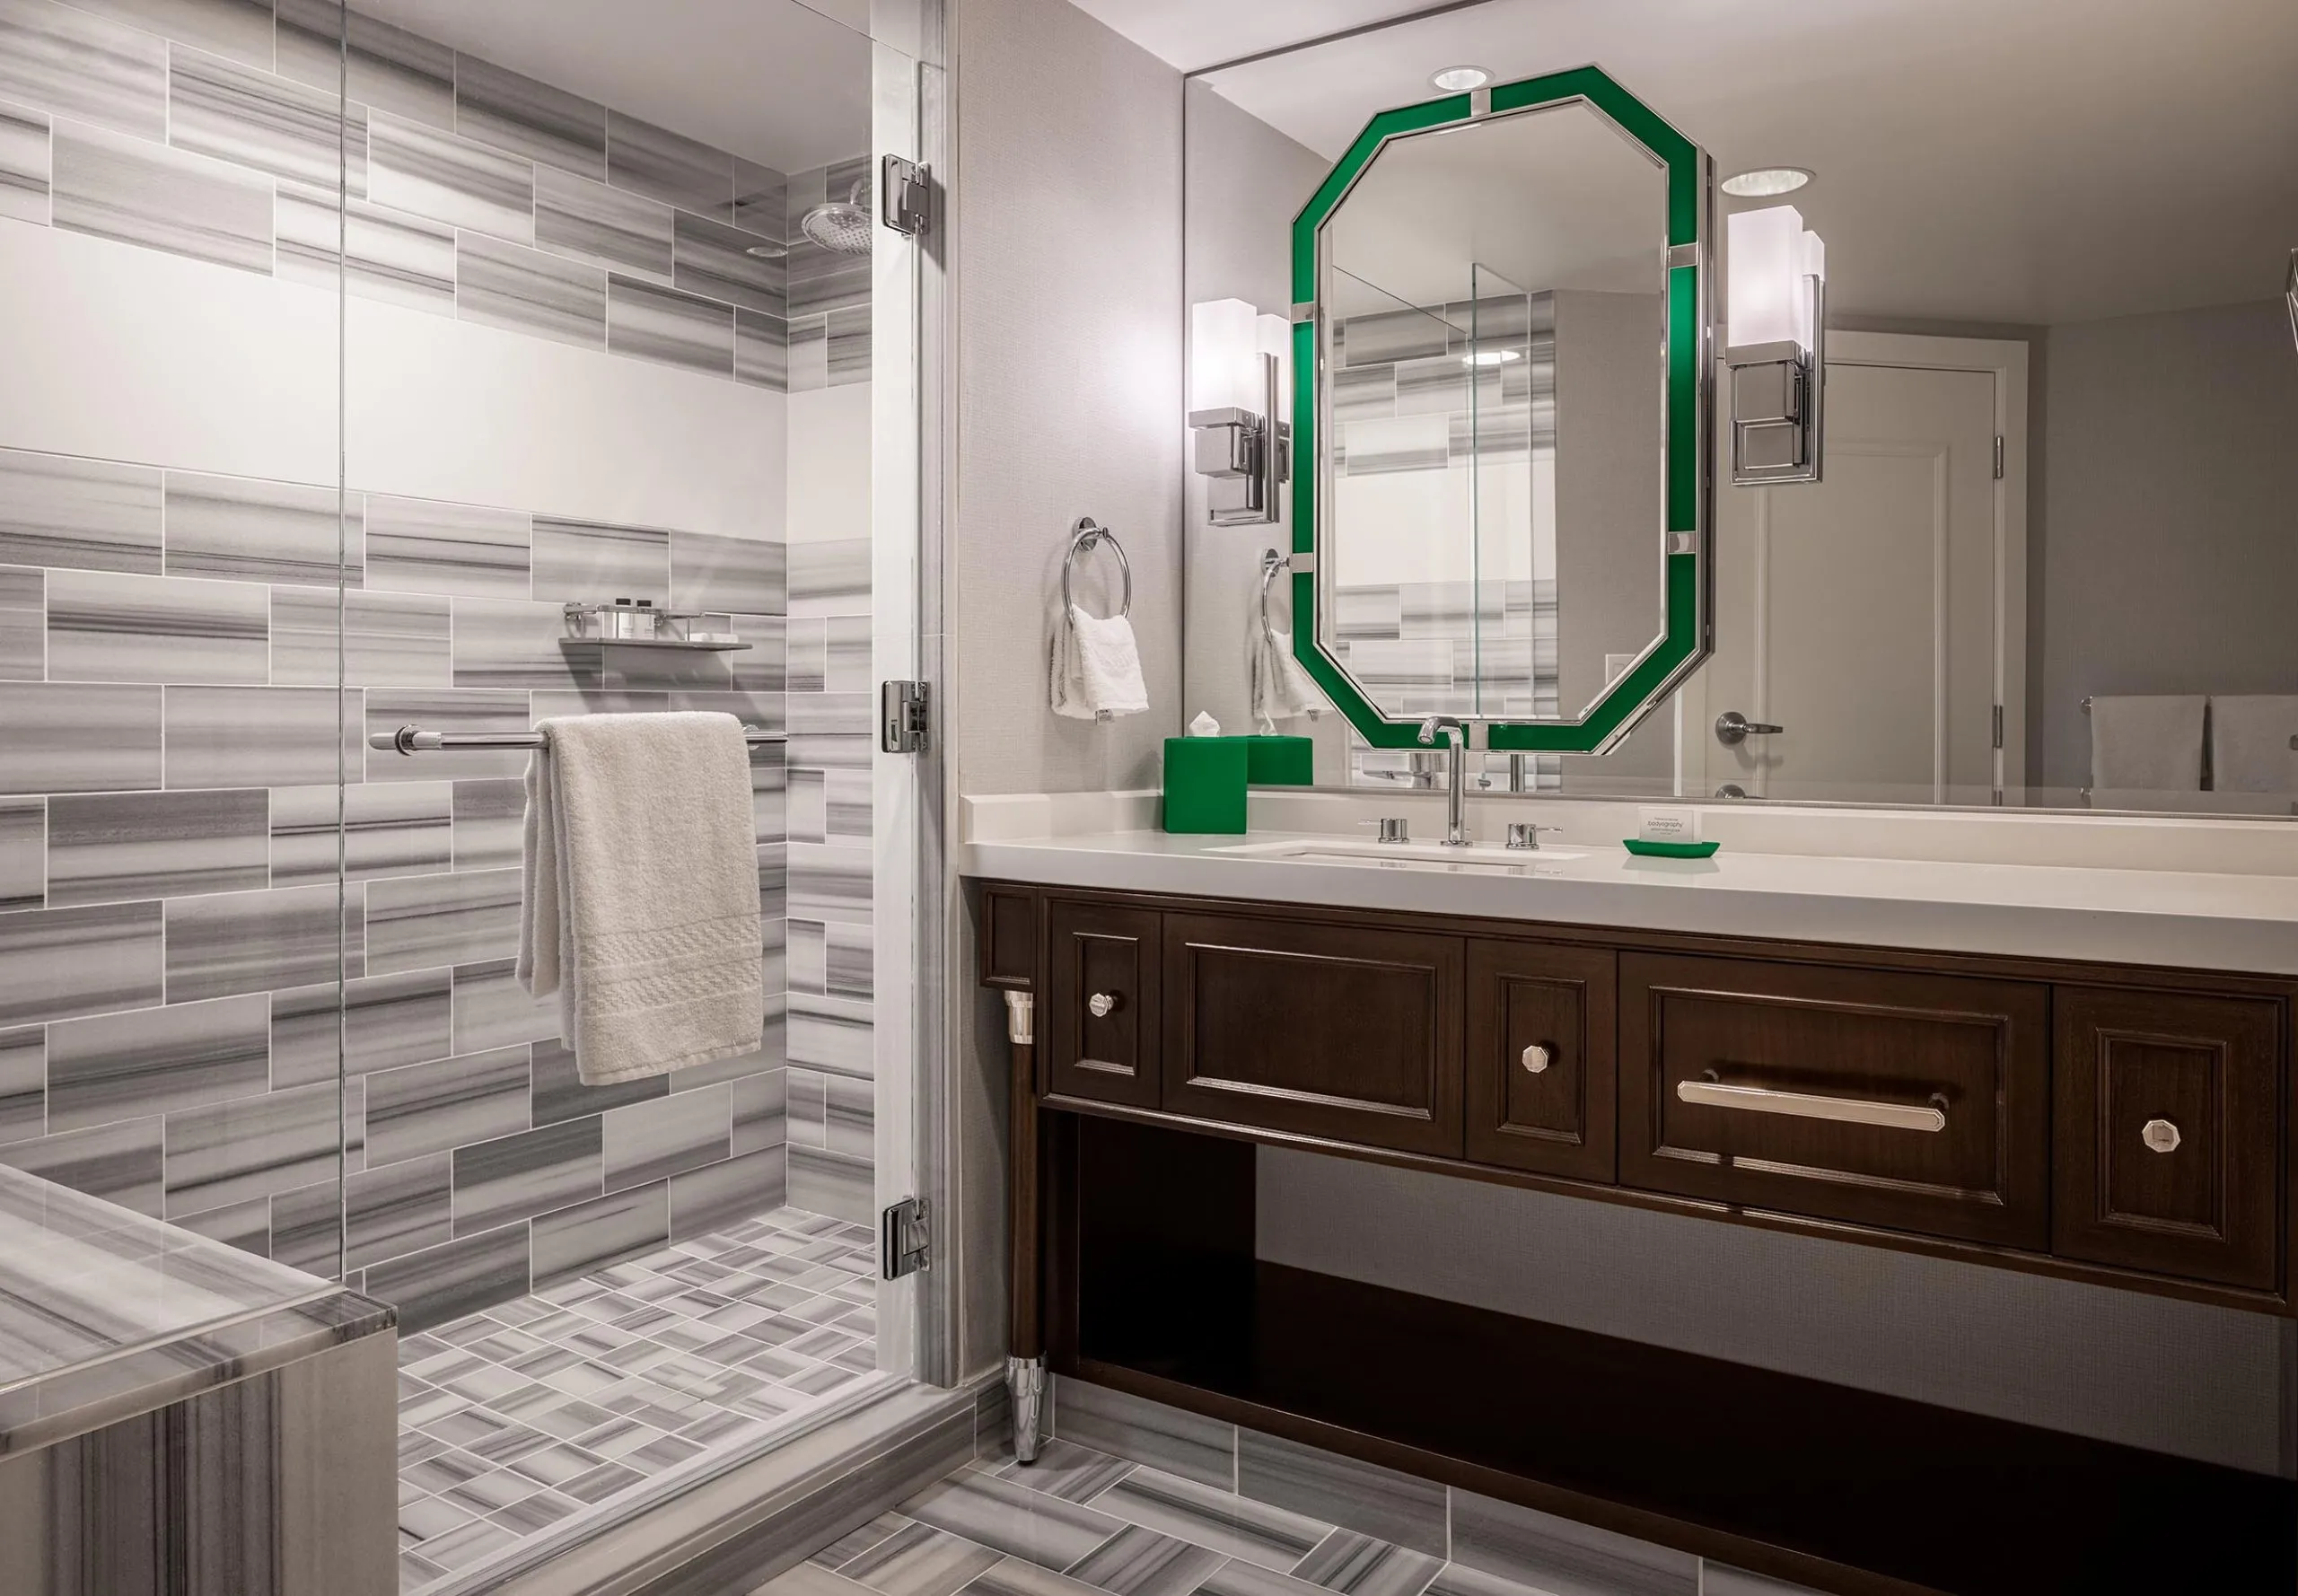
x=1102, y=1009
x=1541, y=1085
x=2169, y=1133
x=1344, y=1032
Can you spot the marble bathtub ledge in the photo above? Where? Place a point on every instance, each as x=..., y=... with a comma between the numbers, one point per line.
x=41, y=1411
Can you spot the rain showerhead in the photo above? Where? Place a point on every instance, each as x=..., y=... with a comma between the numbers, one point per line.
x=843, y=225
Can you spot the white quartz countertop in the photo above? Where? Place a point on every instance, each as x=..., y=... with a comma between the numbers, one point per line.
x=2222, y=920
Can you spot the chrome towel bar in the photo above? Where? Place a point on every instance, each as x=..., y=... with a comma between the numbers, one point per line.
x=415, y=739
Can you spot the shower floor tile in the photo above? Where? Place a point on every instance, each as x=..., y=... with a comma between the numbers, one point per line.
x=512, y=1419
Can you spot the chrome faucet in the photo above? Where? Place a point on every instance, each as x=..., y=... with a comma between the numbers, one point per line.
x=1456, y=825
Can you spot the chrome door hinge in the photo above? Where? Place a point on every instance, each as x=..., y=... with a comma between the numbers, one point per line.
x=1999, y=457
x=904, y=1240
x=909, y=189
x=904, y=716
x=1998, y=725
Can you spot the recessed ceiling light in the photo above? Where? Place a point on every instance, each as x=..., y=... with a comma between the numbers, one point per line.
x=1459, y=79
x=1765, y=181
x=1490, y=357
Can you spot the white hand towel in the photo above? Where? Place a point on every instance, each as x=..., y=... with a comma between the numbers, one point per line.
x=2250, y=742
x=639, y=901
x=2146, y=744
x=1096, y=668
x=1281, y=690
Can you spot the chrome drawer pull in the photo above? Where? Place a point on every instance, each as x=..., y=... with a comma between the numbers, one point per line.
x=2160, y=1135
x=1101, y=1004
x=1804, y=1105
x=1535, y=1058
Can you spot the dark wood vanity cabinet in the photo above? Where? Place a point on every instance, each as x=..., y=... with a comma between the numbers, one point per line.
x=1103, y=1010
x=1540, y=1079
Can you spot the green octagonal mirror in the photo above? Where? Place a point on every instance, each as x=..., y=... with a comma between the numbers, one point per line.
x=1502, y=476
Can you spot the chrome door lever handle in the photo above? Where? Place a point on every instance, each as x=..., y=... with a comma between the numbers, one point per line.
x=1733, y=728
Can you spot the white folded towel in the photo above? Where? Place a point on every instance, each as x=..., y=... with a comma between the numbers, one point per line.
x=2250, y=742
x=1096, y=668
x=639, y=902
x=1281, y=690
x=2148, y=744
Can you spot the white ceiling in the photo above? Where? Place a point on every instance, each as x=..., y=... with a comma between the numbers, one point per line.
x=2000, y=161
x=1194, y=34
x=773, y=81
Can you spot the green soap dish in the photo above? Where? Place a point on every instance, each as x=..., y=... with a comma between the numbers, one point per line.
x=1670, y=850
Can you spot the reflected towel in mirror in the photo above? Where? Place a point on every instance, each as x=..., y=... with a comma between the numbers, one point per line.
x=2250, y=742
x=2148, y=744
x=1096, y=668
x=1282, y=690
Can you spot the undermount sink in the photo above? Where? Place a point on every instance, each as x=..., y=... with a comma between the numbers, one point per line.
x=1480, y=860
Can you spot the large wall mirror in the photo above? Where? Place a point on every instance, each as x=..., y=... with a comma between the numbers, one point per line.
x=2053, y=552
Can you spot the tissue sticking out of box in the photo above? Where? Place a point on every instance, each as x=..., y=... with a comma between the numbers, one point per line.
x=1204, y=725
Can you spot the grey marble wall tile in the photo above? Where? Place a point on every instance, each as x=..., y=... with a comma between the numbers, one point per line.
x=849, y=346
x=489, y=818
x=653, y=1141
x=24, y=165
x=805, y=1107
x=57, y=510
x=442, y=1283
x=115, y=847
x=422, y=922
x=454, y=711
x=716, y=261
x=604, y=226
x=228, y=1153
x=846, y=654
x=1360, y=1496
x=273, y=737
x=832, y=1034
x=825, y=1182
x=560, y=1094
x=831, y=576
x=411, y=167
x=849, y=1119
x=116, y=186
x=448, y=1103
x=400, y=1208
x=306, y=1228
x=110, y=1067
x=270, y=124
x=107, y=625
x=762, y=199
x=265, y=532
x=492, y=1010
x=806, y=656
x=65, y=60
x=669, y=167
x=670, y=328
x=23, y=854
x=592, y=1235
x=596, y=700
x=58, y=963
x=711, y=1198
x=244, y=1226
x=514, y=642
x=522, y=116
x=591, y=562
x=735, y=575
x=375, y=1023
x=517, y=1177
x=388, y=68
x=830, y=883
x=761, y=1112
x=424, y=545
x=1570, y=1559
x=121, y=1164
x=384, y=828
x=529, y=291
x=239, y=29
x=396, y=640
x=1178, y=1442
x=23, y=623
x=374, y=252
x=823, y=280
x=260, y=942
x=762, y=351
x=806, y=354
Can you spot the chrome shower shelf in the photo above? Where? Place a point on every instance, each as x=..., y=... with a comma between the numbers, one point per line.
x=682, y=643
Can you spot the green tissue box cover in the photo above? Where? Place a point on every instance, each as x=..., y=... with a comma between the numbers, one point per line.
x=1205, y=784
x=1280, y=761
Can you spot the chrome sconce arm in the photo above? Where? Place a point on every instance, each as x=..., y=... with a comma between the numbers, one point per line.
x=1246, y=456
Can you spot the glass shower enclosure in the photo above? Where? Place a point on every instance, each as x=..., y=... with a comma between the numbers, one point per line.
x=356, y=358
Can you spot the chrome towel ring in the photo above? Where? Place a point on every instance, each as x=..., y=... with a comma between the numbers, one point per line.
x=1083, y=537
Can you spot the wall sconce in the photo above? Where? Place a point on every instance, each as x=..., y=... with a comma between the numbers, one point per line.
x=1240, y=408
x=1776, y=320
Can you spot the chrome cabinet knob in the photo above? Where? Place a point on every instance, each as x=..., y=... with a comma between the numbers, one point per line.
x=2160, y=1135
x=1100, y=1005
x=1536, y=1059
x=1733, y=728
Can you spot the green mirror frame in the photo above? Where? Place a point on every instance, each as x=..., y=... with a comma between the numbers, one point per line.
x=1688, y=525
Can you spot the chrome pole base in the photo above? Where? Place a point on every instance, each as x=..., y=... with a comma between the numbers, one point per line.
x=1025, y=1382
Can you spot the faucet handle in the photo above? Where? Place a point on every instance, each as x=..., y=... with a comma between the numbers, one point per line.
x=1526, y=834
x=1392, y=827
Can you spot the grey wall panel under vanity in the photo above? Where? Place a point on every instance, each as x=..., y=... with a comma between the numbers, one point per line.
x=182, y=747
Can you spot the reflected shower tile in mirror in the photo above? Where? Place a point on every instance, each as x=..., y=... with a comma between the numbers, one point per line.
x=24, y=165
x=251, y=118
x=61, y=60
x=57, y=509
x=324, y=45
x=23, y=853
x=238, y=29
x=23, y=623
x=130, y=190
